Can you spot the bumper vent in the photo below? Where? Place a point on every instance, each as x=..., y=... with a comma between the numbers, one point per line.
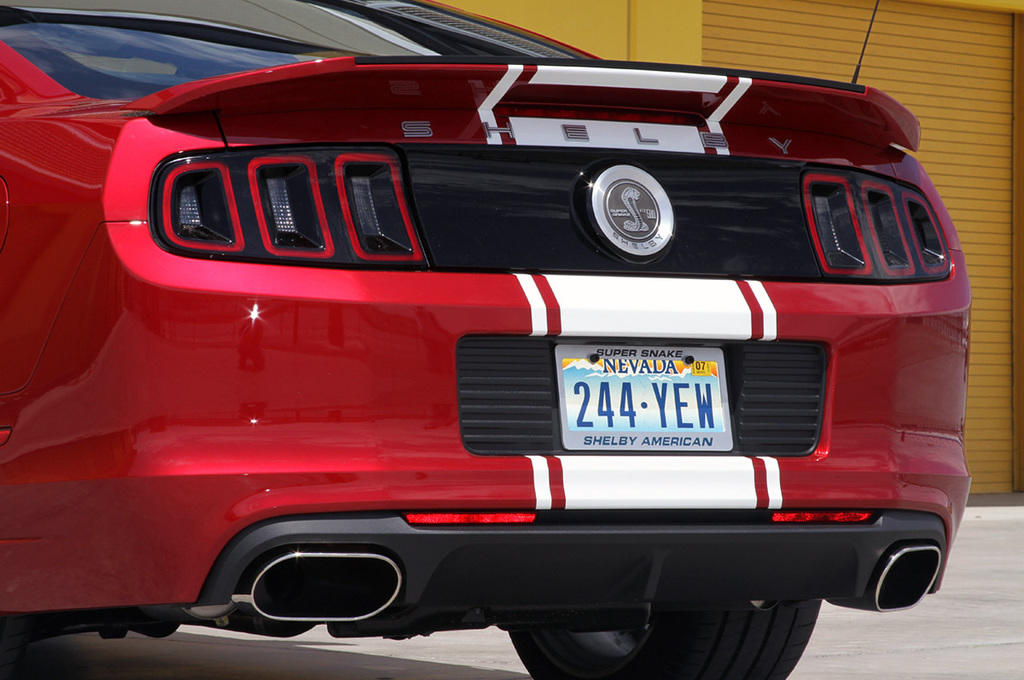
x=780, y=397
x=508, y=397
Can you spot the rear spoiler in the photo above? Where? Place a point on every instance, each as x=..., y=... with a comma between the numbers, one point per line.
x=717, y=98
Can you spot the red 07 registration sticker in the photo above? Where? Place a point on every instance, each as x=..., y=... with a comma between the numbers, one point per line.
x=663, y=399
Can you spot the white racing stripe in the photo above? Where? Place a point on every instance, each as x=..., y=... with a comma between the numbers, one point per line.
x=541, y=482
x=486, y=110
x=726, y=106
x=658, y=482
x=771, y=318
x=650, y=308
x=774, y=483
x=632, y=79
x=714, y=121
x=538, y=310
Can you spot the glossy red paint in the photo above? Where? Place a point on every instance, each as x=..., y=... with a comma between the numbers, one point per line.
x=5, y=212
x=158, y=383
x=160, y=404
x=67, y=160
x=449, y=97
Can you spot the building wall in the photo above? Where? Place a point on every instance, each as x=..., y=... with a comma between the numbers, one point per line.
x=954, y=70
x=638, y=30
x=951, y=62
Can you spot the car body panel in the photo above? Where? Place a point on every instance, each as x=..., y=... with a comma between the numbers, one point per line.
x=159, y=405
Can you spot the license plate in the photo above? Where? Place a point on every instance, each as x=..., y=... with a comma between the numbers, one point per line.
x=620, y=397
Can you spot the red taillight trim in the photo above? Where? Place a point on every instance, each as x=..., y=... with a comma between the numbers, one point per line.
x=823, y=517
x=229, y=197
x=823, y=178
x=396, y=181
x=878, y=187
x=438, y=518
x=254, y=167
x=5, y=435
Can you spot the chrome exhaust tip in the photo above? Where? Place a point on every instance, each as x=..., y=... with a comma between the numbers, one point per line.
x=908, y=575
x=900, y=580
x=323, y=587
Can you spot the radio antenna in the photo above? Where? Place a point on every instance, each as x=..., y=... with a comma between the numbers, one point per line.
x=865, y=48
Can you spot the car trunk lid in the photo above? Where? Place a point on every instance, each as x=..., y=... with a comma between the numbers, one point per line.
x=577, y=103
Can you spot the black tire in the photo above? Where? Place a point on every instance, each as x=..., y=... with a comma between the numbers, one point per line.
x=706, y=645
x=14, y=636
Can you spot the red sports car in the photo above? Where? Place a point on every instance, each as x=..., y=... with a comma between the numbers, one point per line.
x=376, y=314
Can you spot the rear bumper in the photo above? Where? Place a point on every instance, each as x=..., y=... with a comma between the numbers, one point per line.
x=164, y=420
x=581, y=572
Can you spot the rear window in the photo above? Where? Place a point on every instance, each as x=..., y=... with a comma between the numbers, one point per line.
x=131, y=48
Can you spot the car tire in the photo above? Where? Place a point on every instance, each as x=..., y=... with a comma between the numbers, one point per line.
x=704, y=645
x=14, y=637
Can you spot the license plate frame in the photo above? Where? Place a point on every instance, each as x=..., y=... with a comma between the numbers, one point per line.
x=688, y=413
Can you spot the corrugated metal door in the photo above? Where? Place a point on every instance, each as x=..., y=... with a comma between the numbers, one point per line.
x=954, y=69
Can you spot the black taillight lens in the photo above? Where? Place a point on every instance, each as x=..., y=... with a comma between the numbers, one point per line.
x=872, y=228
x=833, y=215
x=883, y=216
x=372, y=195
x=199, y=210
x=289, y=207
x=926, y=232
x=333, y=205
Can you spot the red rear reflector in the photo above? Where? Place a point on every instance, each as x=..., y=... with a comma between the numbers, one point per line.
x=5, y=434
x=818, y=517
x=470, y=517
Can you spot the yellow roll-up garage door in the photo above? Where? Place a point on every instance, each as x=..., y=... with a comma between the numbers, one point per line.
x=954, y=69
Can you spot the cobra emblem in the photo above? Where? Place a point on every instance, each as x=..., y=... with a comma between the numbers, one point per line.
x=629, y=198
x=630, y=212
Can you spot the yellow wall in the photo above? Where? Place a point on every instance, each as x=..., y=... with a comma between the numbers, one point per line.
x=990, y=5
x=641, y=30
x=956, y=73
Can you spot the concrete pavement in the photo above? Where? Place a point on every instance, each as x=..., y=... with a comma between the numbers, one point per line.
x=972, y=630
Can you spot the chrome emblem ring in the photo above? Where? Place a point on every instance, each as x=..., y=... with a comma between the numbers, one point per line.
x=632, y=212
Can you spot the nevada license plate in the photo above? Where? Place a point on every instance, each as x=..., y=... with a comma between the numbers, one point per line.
x=620, y=397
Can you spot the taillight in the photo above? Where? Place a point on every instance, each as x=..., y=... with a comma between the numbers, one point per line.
x=883, y=216
x=199, y=209
x=836, y=229
x=289, y=208
x=375, y=207
x=335, y=206
x=872, y=229
x=926, y=233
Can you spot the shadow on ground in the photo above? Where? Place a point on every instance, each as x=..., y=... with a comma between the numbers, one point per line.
x=196, y=657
